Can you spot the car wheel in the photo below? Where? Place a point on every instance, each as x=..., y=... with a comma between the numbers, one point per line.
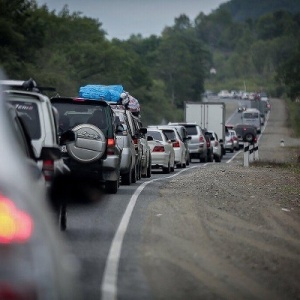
x=126, y=178
x=249, y=137
x=149, y=170
x=167, y=170
x=62, y=217
x=134, y=175
x=111, y=187
x=217, y=158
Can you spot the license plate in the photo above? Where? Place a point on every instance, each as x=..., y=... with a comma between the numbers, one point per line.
x=63, y=148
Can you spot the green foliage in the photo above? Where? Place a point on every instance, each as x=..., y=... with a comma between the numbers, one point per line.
x=68, y=50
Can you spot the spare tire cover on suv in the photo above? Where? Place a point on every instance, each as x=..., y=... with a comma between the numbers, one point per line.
x=89, y=144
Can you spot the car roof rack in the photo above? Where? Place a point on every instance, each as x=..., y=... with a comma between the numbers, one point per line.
x=26, y=85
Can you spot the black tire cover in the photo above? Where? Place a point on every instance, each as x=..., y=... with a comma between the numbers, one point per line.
x=89, y=145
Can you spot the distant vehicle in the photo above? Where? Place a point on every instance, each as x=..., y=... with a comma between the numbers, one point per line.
x=224, y=94
x=229, y=145
x=242, y=108
x=162, y=151
x=178, y=145
x=197, y=142
x=245, y=133
x=217, y=149
x=209, y=116
x=236, y=144
x=251, y=116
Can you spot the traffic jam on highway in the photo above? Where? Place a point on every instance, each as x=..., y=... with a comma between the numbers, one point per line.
x=87, y=161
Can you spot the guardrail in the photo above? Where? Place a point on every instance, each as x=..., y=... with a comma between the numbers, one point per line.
x=250, y=153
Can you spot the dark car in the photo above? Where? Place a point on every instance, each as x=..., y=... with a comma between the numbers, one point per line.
x=94, y=154
x=245, y=133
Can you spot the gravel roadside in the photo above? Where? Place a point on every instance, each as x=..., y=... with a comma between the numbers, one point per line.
x=225, y=231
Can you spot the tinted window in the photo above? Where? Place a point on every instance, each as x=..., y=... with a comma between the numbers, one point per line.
x=155, y=134
x=191, y=130
x=250, y=115
x=170, y=134
x=29, y=114
x=71, y=115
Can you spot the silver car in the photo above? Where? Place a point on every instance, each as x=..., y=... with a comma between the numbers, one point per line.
x=216, y=145
x=197, y=144
x=128, y=166
x=35, y=263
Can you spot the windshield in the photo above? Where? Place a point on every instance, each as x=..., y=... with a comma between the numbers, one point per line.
x=250, y=115
x=29, y=114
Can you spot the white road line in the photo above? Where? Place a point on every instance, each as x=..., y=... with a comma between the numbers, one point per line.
x=109, y=281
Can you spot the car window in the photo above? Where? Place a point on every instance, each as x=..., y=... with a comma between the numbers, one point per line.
x=71, y=115
x=170, y=134
x=191, y=130
x=155, y=134
x=28, y=112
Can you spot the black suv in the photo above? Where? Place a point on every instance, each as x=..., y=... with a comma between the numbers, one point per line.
x=245, y=133
x=94, y=154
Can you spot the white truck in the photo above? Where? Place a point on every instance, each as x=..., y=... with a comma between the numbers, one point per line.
x=208, y=115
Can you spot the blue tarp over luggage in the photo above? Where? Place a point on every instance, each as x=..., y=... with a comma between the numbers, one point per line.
x=101, y=92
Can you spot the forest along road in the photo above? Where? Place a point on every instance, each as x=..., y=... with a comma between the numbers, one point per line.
x=227, y=231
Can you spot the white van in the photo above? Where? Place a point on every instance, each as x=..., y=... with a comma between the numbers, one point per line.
x=251, y=116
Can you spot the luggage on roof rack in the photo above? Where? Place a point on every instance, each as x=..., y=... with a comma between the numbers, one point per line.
x=101, y=92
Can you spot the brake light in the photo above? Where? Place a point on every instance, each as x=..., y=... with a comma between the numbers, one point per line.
x=208, y=143
x=111, y=143
x=16, y=226
x=158, y=149
x=201, y=139
x=176, y=144
x=48, y=169
x=79, y=99
x=136, y=141
x=216, y=143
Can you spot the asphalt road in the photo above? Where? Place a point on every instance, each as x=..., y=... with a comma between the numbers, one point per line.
x=106, y=236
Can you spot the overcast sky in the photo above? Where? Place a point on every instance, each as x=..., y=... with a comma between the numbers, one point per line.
x=121, y=18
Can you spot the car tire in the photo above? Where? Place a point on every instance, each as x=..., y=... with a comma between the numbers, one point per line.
x=249, y=137
x=134, y=175
x=167, y=170
x=149, y=171
x=62, y=217
x=217, y=158
x=111, y=187
x=127, y=178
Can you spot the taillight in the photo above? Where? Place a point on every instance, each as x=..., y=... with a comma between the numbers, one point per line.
x=201, y=139
x=176, y=144
x=11, y=291
x=48, y=169
x=79, y=99
x=216, y=143
x=16, y=226
x=158, y=149
x=136, y=141
x=111, y=143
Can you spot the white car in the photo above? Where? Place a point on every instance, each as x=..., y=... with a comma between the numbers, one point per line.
x=217, y=149
x=236, y=143
x=178, y=145
x=162, y=151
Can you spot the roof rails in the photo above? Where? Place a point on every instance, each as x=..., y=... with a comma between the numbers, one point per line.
x=27, y=85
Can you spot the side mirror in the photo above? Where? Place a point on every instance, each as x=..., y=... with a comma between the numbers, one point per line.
x=50, y=153
x=212, y=138
x=67, y=137
x=143, y=130
x=221, y=140
x=188, y=138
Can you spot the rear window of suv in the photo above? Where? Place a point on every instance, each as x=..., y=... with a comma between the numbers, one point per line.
x=73, y=114
x=28, y=111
